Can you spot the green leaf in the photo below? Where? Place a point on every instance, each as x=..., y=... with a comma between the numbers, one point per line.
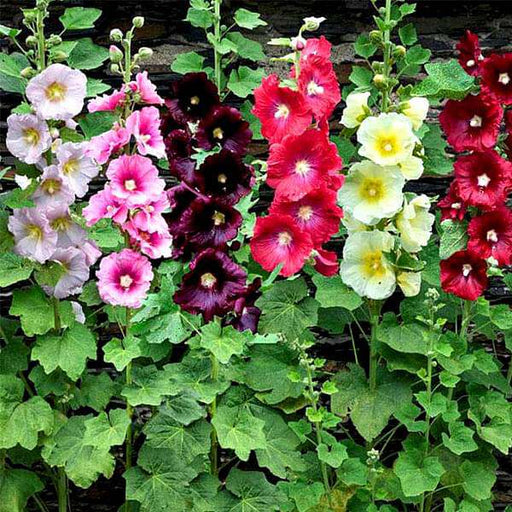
x=87, y=55
x=247, y=48
x=14, y=268
x=248, y=19
x=417, y=55
x=501, y=316
x=105, y=431
x=97, y=123
x=454, y=238
x=34, y=310
x=223, y=343
x=362, y=77
x=68, y=351
x=187, y=62
x=353, y=472
x=95, y=392
x=364, y=47
x=149, y=386
x=199, y=18
x=122, y=352
x=332, y=455
x=183, y=408
x=254, y=122
x=244, y=80
x=10, y=72
x=304, y=495
x=436, y=160
x=106, y=235
x=9, y=32
x=460, y=440
x=16, y=487
x=79, y=18
x=407, y=34
x=410, y=338
x=332, y=292
x=345, y=148
x=96, y=87
x=478, y=479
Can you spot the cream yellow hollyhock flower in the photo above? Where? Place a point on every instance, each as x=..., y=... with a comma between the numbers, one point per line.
x=412, y=168
x=414, y=223
x=365, y=267
x=387, y=139
x=416, y=110
x=356, y=110
x=409, y=282
x=352, y=225
x=372, y=192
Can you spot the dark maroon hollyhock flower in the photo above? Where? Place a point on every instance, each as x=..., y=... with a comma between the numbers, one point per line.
x=247, y=314
x=178, y=147
x=193, y=97
x=497, y=77
x=209, y=223
x=180, y=198
x=212, y=285
x=452, y=206
x=508, y=128
x=225, y=177
x=224, y=126
x=168, y=123
x=470, y=54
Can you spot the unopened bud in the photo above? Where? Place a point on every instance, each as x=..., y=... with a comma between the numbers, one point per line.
x=31, y=41
x=377, y=66
x=379, y=80
x=54, y=132
x=116, y=35
x=145, y=53
x=114, y=68
x=28, y=72
x=116, y=55
x=375, y=36
x=298, y=43
x=138, y=22
x=54, y=40
x=29, y=16
x=399, y=52
x=311, y=24
x=59, y=56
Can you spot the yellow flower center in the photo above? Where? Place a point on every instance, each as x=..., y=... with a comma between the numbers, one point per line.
x=31, y=136
x=504, y=78
x=218, y=218
x=284, y=238
x=218, y=133
x=55, y=92
x=194, y=100
x=483, y=180
x=126, y=281
x=305, y=212
x=70, y=167
x=314, y=89
x=222, y=178
x=372, y=190
x=130, y=185
x=492, y=236
x=475, y=122
x=34, y=231
x=61, y=224
x=373, y=265
x=51, y=186
x=208, y=280
x=282, y=111
x=387, y=146
x=302, y=167
x=466, y=269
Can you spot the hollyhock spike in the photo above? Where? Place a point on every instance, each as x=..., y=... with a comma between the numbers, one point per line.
x=28, y=137
x=470, y=54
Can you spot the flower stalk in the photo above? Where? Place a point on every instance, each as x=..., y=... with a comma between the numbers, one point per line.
x=374, y=307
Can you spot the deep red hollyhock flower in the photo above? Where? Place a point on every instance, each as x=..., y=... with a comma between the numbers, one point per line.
x=315, y=213
x=300, y=164
x=470, y=54
x=464, y=274
x=277, y=239
x=209, y=223
x=178, y=147
x=483, y=179
x=508, y=128
x=451, y=206
x=281, y=110
x=497, y=77
x=471, y=124
x=192, y=98
x=180, y=198
x=326, y=262
x=319, y=85
x=212, y=285
x=247, y=314
x=490, y=234
x=224, y=126
x=316, y=47
x=225, y=176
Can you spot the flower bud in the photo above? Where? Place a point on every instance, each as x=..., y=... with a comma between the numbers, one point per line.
x=59, y=56
x=116, y=35
x=29, y=16
x=138, y=22
x=399, y=52
x=298, y=43
x=145, y=53
x=28, y=72
x=54, y=132
x=379, y=80
x=114, y=68
x=375, y=36
x=54, y=40
x=116, y=55
x=311, y=24
x=377, y=66
x=31, y=41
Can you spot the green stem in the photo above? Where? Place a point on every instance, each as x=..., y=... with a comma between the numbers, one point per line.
x=214, y=456
x=62, y=490
x=216, y=55
x=41, y=42
x=56, y=316
x=387, y=56
x=129, y=409
x=466, y=318
x=374, y=307
x=509, y=373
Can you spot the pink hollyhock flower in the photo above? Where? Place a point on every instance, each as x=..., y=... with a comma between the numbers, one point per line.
x=464, y=274
x=104, y=205
x=146, y=89
x=28, y=137
x=124, y=278
x=53, y=189
x=316, y=47
x=75, y=272
x=278, y=240
x=452, y=206
x=91, y=251
x=144, y=125
x=470, y=54
x=497, y=77
x=156, y=244
x=490, y=234
x=76, y=167
x=103, y=146
x=69, y=232
x=300, y=164
x=483, y=179
x=134, y=179
x=107, y=102
x=325, y=262
x=34, y=239
x=149, y=217
x=471, y=124
x=58, y=92
x=281, y=110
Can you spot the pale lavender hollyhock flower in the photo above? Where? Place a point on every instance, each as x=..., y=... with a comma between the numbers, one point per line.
x=53, y=189
x=69, y=232
x=75, y=273
x=91, y=251
x=78, y=312
x=76, y=167
x=58, y=92
x=28, y=137
x=33, y=235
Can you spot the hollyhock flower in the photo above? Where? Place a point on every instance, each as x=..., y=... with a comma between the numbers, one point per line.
x=75, y=272
x=91, y=251
x=414, y=223
x=356, y=109
x=149, y=217
x=194, y=97
x=365, y=267
x=483, y=179
x=225, y=177
x=212, y=285
x=352, y=225
x=69, y=232
x=416, y=109
x=224, y=126
x=278, y=240
x=319, y=85
x=409, y=282
x=134, y=179
x=464, y=274
x=299, y=164
x=180, y=197
x=145, y=89
x=497, y=77
x=103, y=146
x=471, y=124
x=107, y=102
x=281, y=110
x=34, y=239
x=28, y=137
x=104, y=205
x=144, y=125
x=76, y=167
x=387, y=139
x=78, y=312
x=508, y=128
x=316, y=47
x=247, y=315
x=53, y=189
x=315, y=213
x=452, y=206
x=178, y=147
x=58, y=92
x=372, y=192
x=470, y=54
x=325, y=262
x=490, y=235
x=124, y=278
x=156, y=244
x=412, y=168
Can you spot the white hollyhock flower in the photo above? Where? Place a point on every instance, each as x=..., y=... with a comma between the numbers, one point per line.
x=77, y=168
x=28, y=137
x=416, y=109
x=414, y=223
x=356, y=110
x=409, y=282
x=412, y=168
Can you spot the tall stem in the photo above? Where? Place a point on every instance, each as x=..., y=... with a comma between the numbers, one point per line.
x=129, y=409
x=62, y=490
x=387, y=56
x=216, y=55
x=374, y=307
x=214, y=456
x=56, y=315
x=41, y=42
x=466, y=318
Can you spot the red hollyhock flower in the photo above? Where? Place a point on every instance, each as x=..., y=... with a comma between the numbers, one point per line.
x=281, y=110
x=483, y=179
x=212, y=285
x=316, y=47
x=326, y=262
x=277, y=239
x=319, y=85
x=508, y=128
x=451, y=206
x=490, y=234
x=470, y=54
x=224, y=126
x=316, y=213
x=300, y=164
x=464, y=274
x=471, y=124
x=497, y=77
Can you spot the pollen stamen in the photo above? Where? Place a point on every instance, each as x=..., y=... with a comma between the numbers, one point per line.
x=475, y=122
x=208, y=280
x=305, y=212
x=125, y=281
x=284, y=238
x=302, y=167
x=218, y=133
x=194, y=100
x=130, y=185
x=466, y=269
x=282, y=111
x=31, y=136
x=492, y=236
x=504, y=78
x=483, y=180
x=314, y=89
x=218, y=218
